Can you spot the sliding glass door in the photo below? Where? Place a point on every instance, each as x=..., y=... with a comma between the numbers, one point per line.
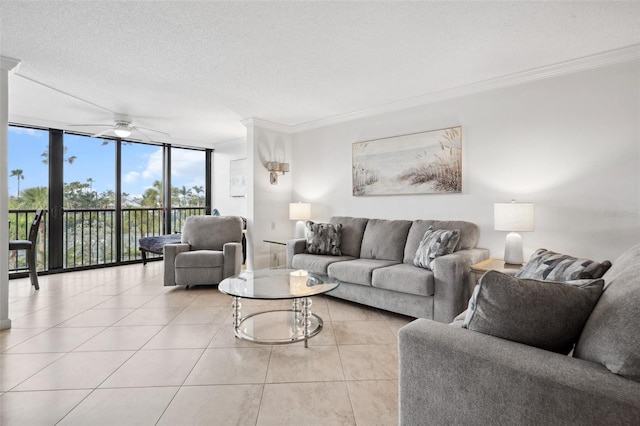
x=89, y=201
x=141, y=201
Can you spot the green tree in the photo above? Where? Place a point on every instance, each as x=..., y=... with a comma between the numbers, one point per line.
x=18, y=173
x=36, y=197
x=152, y=197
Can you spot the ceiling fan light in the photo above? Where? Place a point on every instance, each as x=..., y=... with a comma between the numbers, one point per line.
x=122, y=133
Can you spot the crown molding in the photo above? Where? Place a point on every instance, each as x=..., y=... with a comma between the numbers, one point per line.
x=229, y=142
x=624, y=54
x=266, y=124
x=8, y=64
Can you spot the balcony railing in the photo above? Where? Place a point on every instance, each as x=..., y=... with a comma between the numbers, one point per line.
x=89, y=235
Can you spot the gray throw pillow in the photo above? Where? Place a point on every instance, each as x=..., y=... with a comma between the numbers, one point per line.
x=435, y=243
x=324, y=238
x=548, y=265
x=545, y=314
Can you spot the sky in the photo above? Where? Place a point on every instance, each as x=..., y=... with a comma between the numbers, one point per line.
x=141, y=163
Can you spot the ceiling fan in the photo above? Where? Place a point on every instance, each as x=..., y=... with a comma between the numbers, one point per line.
x=122, y=127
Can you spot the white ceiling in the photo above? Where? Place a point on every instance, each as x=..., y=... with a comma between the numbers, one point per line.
x=196, y=69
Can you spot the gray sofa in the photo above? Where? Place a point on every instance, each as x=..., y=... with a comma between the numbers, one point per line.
x=210, y=251
x=376, y=266
x=450, y=375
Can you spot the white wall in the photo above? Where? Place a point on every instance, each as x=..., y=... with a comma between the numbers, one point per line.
x=222, y=155
x=569, y=144
x=267, y=205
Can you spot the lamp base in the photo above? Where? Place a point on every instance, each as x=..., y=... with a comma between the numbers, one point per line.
x=513, y=249
x=300, y=229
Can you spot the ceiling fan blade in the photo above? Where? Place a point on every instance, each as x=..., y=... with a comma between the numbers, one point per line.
x=143, y=136
x=91, y=125
x=150, y=130
x=102, y=133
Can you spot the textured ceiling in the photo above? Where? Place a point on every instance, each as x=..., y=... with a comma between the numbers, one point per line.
x=196, y=69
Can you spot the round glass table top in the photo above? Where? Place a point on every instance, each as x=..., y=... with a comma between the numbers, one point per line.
x=277, y=284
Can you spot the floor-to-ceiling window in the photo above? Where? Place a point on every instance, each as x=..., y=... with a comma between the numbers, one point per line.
x=101, y=194
x=142, y=197
x=188, y=181
x=89, y=201
x=28, y=190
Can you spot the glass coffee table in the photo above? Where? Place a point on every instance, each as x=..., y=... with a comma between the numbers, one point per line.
x=277, y=326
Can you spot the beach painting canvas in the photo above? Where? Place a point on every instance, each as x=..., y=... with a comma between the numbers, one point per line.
x=419, y=163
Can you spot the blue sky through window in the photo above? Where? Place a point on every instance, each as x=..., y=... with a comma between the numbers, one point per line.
x=141, y=163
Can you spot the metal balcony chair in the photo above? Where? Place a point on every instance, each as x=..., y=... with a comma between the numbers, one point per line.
x=31, y=248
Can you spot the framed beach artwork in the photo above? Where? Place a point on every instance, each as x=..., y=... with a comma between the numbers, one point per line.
x=237, y=173
x=419, y=163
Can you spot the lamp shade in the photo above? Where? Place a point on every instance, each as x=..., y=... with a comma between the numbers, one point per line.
x=513, y=217
x=299, y=211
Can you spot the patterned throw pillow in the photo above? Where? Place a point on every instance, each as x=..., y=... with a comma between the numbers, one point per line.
x=435, y=243
x=324, y=238
x=551, y=266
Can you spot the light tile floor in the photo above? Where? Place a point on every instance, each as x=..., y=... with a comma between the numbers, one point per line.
x=114, y=347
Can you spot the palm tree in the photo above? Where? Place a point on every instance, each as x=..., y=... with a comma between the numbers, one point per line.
x=35, y=197
x=184, y=193
x=18, y=173
x=45, y=156
x=198, y=190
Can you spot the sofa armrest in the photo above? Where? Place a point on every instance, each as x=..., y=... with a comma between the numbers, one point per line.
x=169, y=253
x=232, y=253
x=450, y=375
x=296, y=246
x=451, y=282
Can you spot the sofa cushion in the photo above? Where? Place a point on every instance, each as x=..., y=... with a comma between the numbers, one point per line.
x=628, y=259
x=469, y=233
x=548, y=265
x=316, y=262
x=404, y=278
x=435, y=243
x=384, y=239
x=358, y=271
x=546, y=314
x=200, y=259
x=352, y=233
x=324, y=238
x=610, y=336
x=211, y=232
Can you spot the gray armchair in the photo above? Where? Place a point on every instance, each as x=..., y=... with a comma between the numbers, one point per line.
x=210, y=251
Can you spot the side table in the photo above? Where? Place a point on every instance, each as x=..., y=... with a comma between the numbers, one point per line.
x=277, y=254
x=490, y=264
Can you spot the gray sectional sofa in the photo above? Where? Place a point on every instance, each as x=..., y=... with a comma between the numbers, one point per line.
x=451, y=375
x=376, y=266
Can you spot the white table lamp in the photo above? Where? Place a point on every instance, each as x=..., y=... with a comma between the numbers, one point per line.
x=513, y=217
x=300, y=212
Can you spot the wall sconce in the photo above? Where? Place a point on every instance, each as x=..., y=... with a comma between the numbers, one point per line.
x=513, y=217
x=274, y=168
x=300, y=212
